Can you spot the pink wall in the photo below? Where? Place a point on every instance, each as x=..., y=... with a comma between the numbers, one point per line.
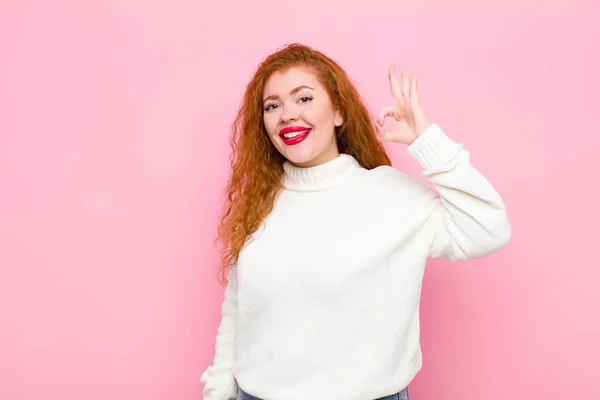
x=114, y=123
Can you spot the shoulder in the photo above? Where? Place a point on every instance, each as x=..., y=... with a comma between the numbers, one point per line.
x=394, y=195
x=392, y=180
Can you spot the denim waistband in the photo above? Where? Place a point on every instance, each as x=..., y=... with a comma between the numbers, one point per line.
x=401, y=395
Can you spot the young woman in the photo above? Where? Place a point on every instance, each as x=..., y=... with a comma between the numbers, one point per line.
x=325, y=244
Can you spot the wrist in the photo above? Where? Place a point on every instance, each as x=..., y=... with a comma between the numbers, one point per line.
x=422, y=127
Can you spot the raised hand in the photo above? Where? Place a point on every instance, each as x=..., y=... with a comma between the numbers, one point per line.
x=407, y=111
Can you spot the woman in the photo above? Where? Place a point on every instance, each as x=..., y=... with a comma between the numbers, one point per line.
x=325, y=244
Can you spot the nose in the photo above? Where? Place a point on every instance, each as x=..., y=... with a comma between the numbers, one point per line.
x=288, y=114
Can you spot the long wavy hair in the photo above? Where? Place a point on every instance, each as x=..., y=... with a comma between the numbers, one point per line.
x=257, y=166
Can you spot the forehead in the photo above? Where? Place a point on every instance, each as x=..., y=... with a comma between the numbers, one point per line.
x=282, y=82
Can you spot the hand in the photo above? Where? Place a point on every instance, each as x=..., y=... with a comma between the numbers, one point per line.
x=411, y=120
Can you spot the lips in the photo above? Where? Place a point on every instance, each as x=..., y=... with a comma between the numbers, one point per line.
x=294, y=134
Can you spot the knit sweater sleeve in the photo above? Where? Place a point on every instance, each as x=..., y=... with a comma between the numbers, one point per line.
x=219, y=382
x=470, y=218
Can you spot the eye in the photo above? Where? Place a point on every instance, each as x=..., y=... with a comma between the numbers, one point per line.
x=270, y=107
x=305, y=99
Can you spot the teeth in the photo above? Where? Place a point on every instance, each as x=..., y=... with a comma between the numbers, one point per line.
x=292, y=135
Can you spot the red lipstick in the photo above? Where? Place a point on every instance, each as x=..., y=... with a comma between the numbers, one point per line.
x=292, y=135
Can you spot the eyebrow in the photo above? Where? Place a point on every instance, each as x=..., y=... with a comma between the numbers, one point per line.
x=299, y=88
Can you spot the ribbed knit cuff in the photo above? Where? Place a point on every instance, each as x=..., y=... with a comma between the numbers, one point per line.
x=433, y=148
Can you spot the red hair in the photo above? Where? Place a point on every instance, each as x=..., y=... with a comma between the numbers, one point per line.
x=257, y=166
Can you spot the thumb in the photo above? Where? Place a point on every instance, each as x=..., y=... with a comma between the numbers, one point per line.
x=380, y=130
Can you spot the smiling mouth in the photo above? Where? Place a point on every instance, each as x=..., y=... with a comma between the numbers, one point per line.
x=292, y=137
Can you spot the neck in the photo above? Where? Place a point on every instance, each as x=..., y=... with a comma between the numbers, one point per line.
x=320, y=176
x=322, y=158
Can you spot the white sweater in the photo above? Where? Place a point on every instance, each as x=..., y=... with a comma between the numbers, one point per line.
x=324, y=301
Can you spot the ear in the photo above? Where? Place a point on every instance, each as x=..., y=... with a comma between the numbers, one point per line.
x=337, y=119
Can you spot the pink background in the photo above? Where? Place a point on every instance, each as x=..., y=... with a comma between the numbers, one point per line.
x=114, y=124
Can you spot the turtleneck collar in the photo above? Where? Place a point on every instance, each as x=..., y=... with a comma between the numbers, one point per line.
x=318, y=177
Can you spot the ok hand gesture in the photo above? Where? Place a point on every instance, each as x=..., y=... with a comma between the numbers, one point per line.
x=407, y=111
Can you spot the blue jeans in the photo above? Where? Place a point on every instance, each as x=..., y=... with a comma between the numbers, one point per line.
x=402, y=395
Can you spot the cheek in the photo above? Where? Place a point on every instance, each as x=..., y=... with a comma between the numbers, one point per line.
x=317, y=115
x=270, y=122
x=320, y=119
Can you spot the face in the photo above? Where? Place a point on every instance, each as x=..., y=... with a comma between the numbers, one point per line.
x=299, y=117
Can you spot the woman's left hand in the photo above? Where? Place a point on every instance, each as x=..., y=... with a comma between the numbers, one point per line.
x=411, y=120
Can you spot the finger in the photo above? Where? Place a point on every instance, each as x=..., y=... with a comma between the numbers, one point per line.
x=385, y=112
x=394, y=86
x=382, y=134
x=406, y=84
x=413, y=89
x=380, y=130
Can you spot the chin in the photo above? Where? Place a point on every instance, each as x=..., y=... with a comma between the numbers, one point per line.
x=299, y=158
x=298, y=154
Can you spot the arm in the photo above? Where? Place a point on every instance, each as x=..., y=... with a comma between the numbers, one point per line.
x=470, y=218
x=219, y=382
